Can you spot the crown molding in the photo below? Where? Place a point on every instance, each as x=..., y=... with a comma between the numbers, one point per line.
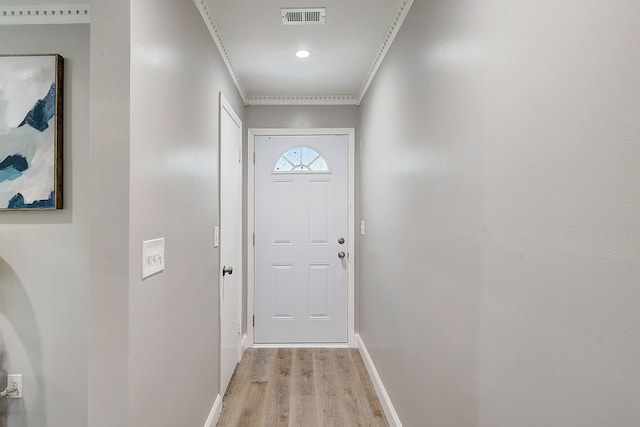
x=401, y=14
x=302, y=100
x=50, y=14
x=207, y=16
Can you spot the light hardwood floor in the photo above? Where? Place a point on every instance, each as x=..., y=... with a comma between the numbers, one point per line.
x=301, y=388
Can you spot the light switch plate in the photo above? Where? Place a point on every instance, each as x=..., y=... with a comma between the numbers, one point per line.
x=362, y=227
x=152, y=257
x=15, y=379
x=216, y=236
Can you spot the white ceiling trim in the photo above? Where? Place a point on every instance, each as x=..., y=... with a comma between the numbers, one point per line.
x=50, y=14
x=402, y=12
x=302, y=100
x=207, y=16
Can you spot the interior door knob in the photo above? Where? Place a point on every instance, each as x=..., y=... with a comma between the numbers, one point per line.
x=227, y=270
x=341, y=254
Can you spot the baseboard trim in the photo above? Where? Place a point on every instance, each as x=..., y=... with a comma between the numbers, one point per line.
x=304, y=345
x=385, y=400
x=244, y=344
x=212, y=419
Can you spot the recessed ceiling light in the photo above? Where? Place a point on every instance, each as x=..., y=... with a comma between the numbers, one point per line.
x=302, y=54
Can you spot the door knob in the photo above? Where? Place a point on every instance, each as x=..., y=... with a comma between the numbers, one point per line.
x=341, y=254
x=227, y=270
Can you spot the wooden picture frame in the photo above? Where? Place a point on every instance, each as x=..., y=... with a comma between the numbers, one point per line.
x=31, y=132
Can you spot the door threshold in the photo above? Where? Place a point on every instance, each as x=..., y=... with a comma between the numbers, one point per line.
x=304, y=345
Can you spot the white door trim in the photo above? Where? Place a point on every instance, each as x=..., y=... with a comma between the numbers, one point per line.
x=351, y=185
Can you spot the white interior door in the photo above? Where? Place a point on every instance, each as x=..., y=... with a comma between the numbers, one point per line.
x=230, y=241
x=301, y=239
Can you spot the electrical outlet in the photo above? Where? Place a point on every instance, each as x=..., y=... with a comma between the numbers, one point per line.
x=14, y=382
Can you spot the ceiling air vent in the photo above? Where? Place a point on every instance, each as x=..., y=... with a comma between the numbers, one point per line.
x=303, y=16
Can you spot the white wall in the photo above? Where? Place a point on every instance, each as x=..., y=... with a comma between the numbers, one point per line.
x=501, y=190
x=44, y=260
x=302, y=116
x=109, y=262
x=176, y=75
x=156, y=75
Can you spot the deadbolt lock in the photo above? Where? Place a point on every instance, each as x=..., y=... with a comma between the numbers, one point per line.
x=341, y=240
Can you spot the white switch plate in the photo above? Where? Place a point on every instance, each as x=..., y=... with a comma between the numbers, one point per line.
x=362, y=227
x=216, y=236
x=152, y=257
x=17, y=380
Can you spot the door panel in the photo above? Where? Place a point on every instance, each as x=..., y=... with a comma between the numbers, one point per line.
x=284, y=288
x=300, y=283
x=230, y=240
x=319, y=213
x=319, y=287
x=282, y=208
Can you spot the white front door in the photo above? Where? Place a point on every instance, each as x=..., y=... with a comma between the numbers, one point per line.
x=301, y=239
x=230, y=240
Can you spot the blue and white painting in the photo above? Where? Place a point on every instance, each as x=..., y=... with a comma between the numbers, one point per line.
x=30, y=138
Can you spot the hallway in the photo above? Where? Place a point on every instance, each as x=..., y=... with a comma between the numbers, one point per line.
x=301, y=387
x=495, y=225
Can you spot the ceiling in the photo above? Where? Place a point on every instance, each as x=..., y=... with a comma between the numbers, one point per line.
x=259, y=50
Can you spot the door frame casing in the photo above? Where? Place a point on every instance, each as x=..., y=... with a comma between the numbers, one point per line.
x=351, y=180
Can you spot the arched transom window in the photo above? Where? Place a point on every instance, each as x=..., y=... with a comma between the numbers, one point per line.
x=301, y=159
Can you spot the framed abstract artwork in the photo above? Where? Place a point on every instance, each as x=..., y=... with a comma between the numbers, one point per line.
x=31, y=132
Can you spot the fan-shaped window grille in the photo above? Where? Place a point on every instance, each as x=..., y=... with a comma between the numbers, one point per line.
x=301, y=159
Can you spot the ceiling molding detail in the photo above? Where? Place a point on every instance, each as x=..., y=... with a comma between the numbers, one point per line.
x=403, y=10
x=51, y=14
x=302, y=100
x=207, y=16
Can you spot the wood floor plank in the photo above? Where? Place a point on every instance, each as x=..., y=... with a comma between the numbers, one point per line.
x=302, y=377
x=328, y=404
x=232, y=400
x=354, y=402
x=370, y=393
x=252, y=412
x=303, y=411
x=239, y=377
x=302, y=408
x=279, y=389
x=260, y=366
